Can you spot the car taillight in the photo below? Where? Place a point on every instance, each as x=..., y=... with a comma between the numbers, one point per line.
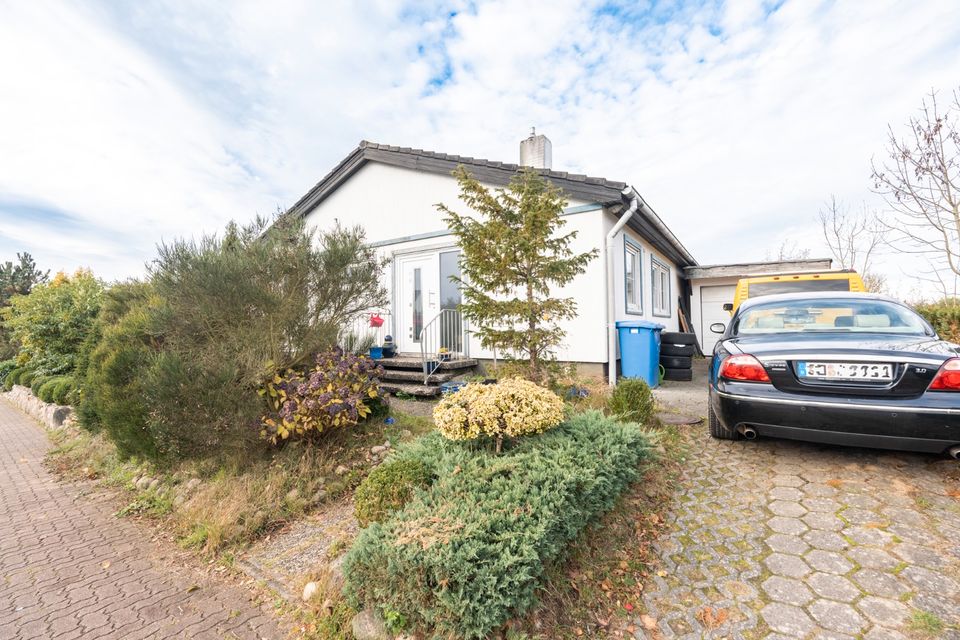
x=948, y=378
x=745, y=368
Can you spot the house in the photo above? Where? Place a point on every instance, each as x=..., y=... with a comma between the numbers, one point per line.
x=642, y=272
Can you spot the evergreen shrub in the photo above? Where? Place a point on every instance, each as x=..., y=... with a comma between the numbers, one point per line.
x=632, y=401
x=470, y=551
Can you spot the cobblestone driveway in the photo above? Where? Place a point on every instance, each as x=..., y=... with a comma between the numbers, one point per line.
x=70, y=569
x=780, y=539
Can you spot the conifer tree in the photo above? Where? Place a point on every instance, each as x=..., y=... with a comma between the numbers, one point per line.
x=514, y=254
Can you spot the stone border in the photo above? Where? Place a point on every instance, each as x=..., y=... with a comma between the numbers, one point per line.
x=50, y=415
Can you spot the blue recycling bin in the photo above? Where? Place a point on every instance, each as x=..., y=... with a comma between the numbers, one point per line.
x=640, y=350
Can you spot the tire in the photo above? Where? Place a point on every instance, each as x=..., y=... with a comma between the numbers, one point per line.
x=717, y=430
x=684, y=375
x=674, y=337
x=676, y=362
x=667, y=349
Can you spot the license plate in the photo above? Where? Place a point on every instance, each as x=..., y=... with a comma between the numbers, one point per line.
x=845, y=371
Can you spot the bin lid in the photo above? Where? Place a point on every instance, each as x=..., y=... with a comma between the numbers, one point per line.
x=640, y=324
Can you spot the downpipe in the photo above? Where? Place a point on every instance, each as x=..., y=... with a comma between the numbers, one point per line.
x=611, y=304
x=751, y=434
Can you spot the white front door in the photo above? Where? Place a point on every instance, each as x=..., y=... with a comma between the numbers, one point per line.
x=418, y=301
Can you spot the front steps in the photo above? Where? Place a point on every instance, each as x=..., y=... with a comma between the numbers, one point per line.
x=404, y=374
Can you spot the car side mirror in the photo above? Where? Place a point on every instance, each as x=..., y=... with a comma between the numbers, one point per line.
x=717, y=327
x=728, y=306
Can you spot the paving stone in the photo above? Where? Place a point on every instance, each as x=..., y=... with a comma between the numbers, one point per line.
x=786, y=565
x=833, y=586
x=826, y=540
x=789, y=526
x=787, y=544
x=828, y=561
x=825, y=521
x=919, y=555
x=787, y=619
x=786, y=493
x=54, y=540
x=787, y=508
x=926, y=580
x=883, y=611
x=877, y=583
x=872, y=558
x=787, y=590
x=837, y=616
x=736, y=540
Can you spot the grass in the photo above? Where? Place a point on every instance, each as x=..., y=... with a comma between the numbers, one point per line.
x=926, y=623
x=238, y=500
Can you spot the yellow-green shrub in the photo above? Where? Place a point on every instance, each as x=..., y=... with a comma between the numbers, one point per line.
x=508, y=409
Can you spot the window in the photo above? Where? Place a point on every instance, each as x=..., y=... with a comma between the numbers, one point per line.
x=633, y=281
x=661, y=287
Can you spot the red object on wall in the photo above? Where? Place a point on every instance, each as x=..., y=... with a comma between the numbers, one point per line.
x=376, y=320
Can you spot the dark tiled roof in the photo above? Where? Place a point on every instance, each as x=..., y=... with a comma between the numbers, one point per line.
x=491, y=171
x=574, y=185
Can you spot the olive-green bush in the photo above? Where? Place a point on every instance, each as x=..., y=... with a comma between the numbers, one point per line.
x=388, y=488
x=26, y=377
x=13, y=377
x=45, y=390
x=944, y=316
x=632, y=401
x=470, y=551
x=5, y=368
x=36, y=382
x=64, y=390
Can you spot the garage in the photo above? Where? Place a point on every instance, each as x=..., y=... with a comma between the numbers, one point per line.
x=713, y=286
x=712, y=299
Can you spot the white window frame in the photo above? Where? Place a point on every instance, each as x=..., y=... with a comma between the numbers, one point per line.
x=660, y=288
x=633, y=255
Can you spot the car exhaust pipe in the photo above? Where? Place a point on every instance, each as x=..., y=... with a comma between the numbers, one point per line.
x=751, y=434
x=954, y=451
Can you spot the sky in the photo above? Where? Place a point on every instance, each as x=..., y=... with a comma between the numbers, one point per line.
x=123, y=124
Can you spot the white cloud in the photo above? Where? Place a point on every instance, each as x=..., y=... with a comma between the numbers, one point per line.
x=736, y=121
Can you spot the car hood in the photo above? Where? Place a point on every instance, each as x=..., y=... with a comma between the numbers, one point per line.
x=770, y=344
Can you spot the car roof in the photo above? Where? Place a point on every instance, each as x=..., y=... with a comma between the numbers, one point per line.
x=816, y=295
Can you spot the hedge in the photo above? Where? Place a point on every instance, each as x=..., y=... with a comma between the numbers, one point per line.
x=469, y=552
x=945, y=318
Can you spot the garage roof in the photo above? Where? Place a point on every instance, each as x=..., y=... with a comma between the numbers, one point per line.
x=744, y=269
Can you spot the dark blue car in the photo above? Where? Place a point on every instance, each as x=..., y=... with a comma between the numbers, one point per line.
x=836, y=368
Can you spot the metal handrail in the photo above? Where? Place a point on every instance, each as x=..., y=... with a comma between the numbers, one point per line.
x=444, y=331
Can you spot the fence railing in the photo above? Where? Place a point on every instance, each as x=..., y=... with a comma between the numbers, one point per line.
x=367, y=330
x=442, y=339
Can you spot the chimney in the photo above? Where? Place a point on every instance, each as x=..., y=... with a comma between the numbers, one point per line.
x=536, y=151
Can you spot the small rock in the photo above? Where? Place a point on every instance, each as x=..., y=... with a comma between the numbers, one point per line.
x=192, y=484
x=377, y=450
x=341, y=470
x=143, y=483
x=335, y=580
x=154, y=484
x=292, y=495
x=319, y=496
x=386, y=445
x=367, y=625
x=406, y=433
x=310, y=590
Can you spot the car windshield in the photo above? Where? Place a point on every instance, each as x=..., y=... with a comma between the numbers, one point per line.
x=829, y=316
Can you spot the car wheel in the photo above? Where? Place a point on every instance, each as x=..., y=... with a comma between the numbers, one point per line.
x=676, y=362
x=680, y=375
x=668, y=349
x=674, y=337
x=717, y=430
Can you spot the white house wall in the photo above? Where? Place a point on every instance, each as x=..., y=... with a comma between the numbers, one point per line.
x=671, y=322
x=396, y=208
